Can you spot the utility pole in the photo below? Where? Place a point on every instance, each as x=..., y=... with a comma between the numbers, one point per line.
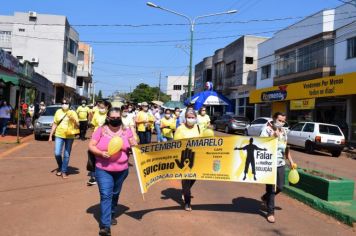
x=159, y=86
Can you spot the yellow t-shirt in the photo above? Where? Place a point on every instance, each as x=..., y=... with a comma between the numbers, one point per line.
x=66, y=124
x=183, y=132
x=83, y=113
x=98, y=119
x=203, y=121
x=168, y=132
x=144, y=116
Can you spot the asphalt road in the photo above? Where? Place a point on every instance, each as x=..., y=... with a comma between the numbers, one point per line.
x=33, y=201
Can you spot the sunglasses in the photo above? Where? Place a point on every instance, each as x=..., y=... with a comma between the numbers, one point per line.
x=65, y=103
x=114, y=118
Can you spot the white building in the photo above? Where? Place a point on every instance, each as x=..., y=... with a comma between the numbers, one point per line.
x=177, y=86
x=298, y=63
x=47, y=41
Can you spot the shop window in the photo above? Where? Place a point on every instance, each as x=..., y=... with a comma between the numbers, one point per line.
x=266, y=72
x=351, y=47
x=309, y=128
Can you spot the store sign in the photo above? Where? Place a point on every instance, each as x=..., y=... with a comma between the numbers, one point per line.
x=323, y=87
x=304, y=104
x=8, y=61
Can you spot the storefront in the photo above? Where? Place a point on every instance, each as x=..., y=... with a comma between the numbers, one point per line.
x=329, y=99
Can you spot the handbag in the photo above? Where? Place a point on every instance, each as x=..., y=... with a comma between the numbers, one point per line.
x=91, y=158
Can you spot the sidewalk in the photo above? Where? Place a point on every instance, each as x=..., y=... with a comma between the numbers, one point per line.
x=11, y=136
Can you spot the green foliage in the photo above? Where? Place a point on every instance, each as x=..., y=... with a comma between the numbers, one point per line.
x=145, y=93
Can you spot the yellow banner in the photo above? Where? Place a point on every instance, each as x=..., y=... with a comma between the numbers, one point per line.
x=233, y=158
x=304, y=104
x=323, y=87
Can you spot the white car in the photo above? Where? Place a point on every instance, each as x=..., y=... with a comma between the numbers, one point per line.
x=256, y=126
x=317, y=136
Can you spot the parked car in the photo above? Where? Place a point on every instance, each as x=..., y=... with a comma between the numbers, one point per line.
x=43, y=124
x=231, y=123
x=256, y=126
x=317, y=136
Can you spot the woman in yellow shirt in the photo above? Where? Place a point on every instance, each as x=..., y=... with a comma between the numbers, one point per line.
x=64, y=128
x=168, y=125
x=99, y=116
x=144, y=122
x=189, y=129
x=203, y=118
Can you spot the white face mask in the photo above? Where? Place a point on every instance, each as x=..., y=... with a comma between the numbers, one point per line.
x=191, y=121
x=278, y=124
x=84, y=104
x=124, y=114
x=168, y=116
x=130, y=109
x=65, y=107
x=102, y=110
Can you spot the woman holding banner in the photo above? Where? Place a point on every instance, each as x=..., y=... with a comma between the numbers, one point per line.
x=111, y=166
x=189, y=129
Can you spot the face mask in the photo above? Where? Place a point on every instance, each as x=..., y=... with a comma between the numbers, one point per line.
x=83, y=104
x=130, y=109
x=145, y=108
x=124, y=114
x=191, y=121
x=65, y=107
x=168, y=116
x=115, y=122
x=278, y=124
x=203, y=113
x=102, y=110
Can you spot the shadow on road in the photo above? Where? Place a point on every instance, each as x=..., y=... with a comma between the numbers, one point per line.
x=95, y=211
x=72, y=170
x=238, y=205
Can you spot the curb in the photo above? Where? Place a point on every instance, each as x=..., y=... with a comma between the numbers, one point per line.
x=344, y=211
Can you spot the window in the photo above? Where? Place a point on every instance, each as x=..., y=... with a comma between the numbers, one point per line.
x=230, y=69
x=21, y=30
x=72, y=47
x=259, y=122
x=177, y=87
x=309, y=127
x=219, y=73
x=80, y=56
x=329, y=129
x=19, y=57
x=249, y=60
x=351, y=47
x=71, y=70
x=298, y=127
x=316, y=55
x=266, y=72
x=5, y=36
x=286, y=63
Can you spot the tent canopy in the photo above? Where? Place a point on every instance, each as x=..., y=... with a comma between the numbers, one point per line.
x=210, y=98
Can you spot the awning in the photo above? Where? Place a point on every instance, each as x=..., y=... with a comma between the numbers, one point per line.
x=9, y=79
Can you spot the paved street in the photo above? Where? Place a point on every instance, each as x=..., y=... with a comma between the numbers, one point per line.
x=33, y=201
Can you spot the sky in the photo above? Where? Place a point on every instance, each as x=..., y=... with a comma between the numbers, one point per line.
x=126, y=56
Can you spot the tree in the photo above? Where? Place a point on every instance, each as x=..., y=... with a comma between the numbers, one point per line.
x=145, y=93
x=100, y=95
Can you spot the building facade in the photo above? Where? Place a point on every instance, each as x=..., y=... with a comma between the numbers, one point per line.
x=49, y=43
x=308, y=70
x=177, y=86
x=233, y=71
x=85, y=70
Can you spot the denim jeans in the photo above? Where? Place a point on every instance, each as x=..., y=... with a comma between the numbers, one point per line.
x=158, y=131
x=63, y=162
x=145, y=137
x=271, y=193
x=110, y=184
x=3, y=125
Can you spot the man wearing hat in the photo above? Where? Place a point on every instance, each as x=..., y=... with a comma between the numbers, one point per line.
x=144, y=122
x=83, y=114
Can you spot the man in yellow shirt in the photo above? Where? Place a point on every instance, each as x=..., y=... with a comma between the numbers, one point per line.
x=83, y=112
x=99, y=116
x=168, y=125
x=65, y=128
x=144, y=122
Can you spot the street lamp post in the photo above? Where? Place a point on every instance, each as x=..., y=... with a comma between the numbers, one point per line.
x=192, y=22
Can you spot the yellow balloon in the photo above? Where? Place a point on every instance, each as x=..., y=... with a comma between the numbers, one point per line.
x=293, y=176
x=115, y=145
x=208, y=133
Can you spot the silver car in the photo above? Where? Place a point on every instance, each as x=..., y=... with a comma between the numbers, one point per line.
x=43, y=124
